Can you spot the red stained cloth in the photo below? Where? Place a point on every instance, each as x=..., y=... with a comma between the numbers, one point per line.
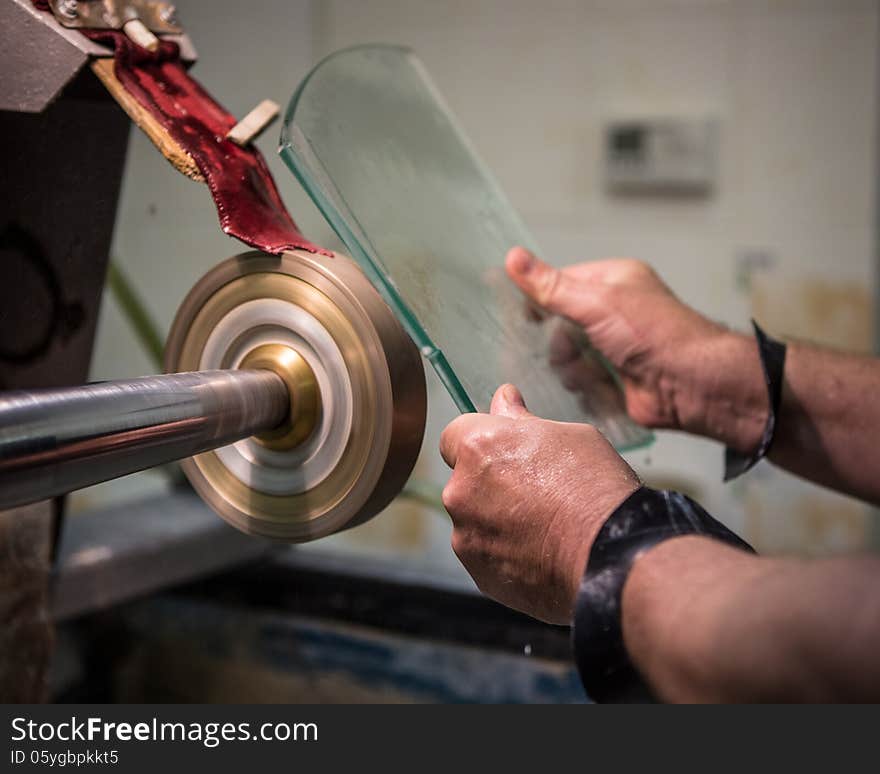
x=247, y=200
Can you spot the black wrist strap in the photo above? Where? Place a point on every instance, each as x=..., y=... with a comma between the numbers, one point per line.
x=772, y=355
x=647, y=517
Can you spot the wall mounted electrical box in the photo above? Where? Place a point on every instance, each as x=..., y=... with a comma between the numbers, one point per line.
x=661, y=156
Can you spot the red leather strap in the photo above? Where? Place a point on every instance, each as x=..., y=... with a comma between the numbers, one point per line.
x=248, y=203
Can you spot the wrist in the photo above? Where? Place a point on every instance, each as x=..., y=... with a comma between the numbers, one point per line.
x=646, y=519
x=577, y=552
x=722, y=394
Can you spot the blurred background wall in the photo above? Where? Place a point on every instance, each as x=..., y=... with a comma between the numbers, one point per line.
x=787, y=234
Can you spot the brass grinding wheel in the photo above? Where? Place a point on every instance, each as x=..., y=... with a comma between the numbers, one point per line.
x=356, y=384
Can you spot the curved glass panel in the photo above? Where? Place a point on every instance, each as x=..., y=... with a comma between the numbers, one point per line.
x=372, y=141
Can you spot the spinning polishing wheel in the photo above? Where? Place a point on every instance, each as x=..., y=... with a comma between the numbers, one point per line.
x=354, y=379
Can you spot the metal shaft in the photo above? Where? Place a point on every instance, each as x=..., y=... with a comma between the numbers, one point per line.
x=56, y=441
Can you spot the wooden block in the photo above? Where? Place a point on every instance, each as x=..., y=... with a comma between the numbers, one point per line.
x=244, y=132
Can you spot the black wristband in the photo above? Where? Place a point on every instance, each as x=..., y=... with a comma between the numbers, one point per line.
x=645, y=518
x=772, y=355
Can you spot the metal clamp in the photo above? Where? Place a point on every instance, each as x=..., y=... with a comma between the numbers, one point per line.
x=156, y=16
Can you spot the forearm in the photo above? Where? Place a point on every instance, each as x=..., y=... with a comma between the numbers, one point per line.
x=825, y=427
x=706, y=622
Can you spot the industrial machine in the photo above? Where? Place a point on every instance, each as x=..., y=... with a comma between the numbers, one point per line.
x=288, y=359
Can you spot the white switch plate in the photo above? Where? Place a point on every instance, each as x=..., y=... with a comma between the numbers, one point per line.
x=661, y=155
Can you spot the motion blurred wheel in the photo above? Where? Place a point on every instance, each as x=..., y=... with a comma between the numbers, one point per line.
x=356, y=384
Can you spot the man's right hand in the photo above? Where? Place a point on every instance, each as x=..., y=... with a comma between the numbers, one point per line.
x=680, y=370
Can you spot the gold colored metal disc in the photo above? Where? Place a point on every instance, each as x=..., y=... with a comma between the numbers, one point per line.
x=351, y=454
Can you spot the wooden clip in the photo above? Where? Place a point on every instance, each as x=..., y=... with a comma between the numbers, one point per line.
x=138, y=33
x=246, y=130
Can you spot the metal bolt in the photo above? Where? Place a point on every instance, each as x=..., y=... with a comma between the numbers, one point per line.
x=68, y=8
x=168, y=14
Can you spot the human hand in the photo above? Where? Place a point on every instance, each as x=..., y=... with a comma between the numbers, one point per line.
x=678, y=368
x=527, y=497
